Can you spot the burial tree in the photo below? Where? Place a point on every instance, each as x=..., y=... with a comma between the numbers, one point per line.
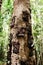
x=21, y=48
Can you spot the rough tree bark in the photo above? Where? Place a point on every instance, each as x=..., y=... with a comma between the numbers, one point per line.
x=21, y=48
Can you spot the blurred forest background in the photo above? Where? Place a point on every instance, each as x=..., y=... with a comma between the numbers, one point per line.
x=37, y=28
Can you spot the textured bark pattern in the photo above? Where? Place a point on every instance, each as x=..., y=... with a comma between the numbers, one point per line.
x=21, y=40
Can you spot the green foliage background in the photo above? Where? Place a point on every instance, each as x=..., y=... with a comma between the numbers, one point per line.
x=37, y=27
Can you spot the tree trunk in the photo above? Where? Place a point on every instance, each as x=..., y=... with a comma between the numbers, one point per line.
x=0, y=4
x=21, y=48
